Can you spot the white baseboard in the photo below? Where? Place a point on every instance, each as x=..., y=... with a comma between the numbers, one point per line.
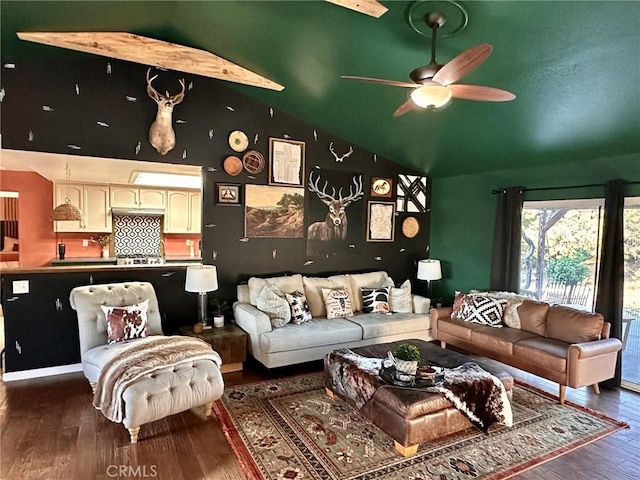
x=41, y=372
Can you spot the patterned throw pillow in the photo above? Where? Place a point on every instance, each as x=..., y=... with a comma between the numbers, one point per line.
x=126, y=323
x=479, y=309
x=272, y=302
x=300, y=312
x=375, y=300
x=400, y=300
x=337, y=302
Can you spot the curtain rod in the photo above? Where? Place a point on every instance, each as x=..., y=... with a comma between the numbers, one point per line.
x=540, y=189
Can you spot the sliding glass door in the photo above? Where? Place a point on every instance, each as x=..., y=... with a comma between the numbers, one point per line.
x=631, y=309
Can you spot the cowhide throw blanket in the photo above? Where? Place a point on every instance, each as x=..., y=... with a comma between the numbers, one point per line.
x=477, y=394
x=140, y=358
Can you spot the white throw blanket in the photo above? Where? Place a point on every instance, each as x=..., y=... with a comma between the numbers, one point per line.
x=142, y=357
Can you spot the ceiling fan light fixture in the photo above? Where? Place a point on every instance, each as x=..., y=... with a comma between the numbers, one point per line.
x=431, y=96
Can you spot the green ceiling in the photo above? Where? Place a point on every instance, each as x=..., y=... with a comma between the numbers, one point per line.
x=574, y=66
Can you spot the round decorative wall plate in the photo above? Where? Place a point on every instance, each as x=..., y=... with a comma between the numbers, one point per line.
x=232, y=165
x=253, y=162
x=238, y=141
x=410, y=227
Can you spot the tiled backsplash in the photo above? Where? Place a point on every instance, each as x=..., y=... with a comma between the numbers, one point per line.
x=137, y=235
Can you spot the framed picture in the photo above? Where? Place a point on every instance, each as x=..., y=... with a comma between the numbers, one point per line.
x=273, y=212
x=381, y=187
x=228, y=194
x=286, y=162
x=380, y=221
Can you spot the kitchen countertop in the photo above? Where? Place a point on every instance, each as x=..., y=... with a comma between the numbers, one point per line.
x=102, y=261
x=94, y=267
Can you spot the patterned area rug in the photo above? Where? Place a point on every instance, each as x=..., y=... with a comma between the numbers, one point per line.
x=290, y=429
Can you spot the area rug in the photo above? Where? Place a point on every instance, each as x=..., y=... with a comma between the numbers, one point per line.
x=290, y=429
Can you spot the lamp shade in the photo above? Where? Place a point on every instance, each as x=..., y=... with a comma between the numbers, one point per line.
x=429, y=270
x=201, y=278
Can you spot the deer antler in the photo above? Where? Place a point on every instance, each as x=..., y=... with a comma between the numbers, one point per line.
x=353, y=196
x=178, y=97
x=152, y=92
x=338, y=157
x=313, y=187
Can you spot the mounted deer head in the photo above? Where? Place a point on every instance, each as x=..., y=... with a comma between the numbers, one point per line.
x=161, y=134
x=338, y=157
x=334, y=226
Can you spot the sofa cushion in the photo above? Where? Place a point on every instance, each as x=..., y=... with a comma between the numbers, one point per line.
x=510, y=316
x=573, y=326
x=95, y=358
x=457, y=328
x=480, y=309
x=533, y=317
x=313, y=290
x=400, y=299
x=375, y=300
x=286, y=284
x=314, y=333
x=300, y=312
x=500, y=340
x=375, y=325
x=337, y=302
x=545, y=352
x=273, y=302
x=359, y=280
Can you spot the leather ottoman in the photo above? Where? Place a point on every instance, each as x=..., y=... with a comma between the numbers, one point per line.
x=412, y=416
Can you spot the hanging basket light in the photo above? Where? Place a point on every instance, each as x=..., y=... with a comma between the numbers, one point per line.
x=66, y=211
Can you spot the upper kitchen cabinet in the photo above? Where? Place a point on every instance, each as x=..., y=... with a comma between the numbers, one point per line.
x=126, y=196
x=93, y=202
x=184, y=212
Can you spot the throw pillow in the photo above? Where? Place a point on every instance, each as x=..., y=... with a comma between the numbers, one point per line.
x=126, y=323
x=337, y=301
x=273, y=302
x=400, y=300
x=375, y=300
x=300, y=312
x=479, y=309
x=510, y=317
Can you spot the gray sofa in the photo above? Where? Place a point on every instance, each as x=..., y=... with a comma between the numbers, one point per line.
x=312, y=340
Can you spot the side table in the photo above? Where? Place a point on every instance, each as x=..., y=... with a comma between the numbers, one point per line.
x=229, y=341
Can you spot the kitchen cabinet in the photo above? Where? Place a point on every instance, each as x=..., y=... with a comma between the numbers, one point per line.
x=127, y=196
x=93, y=202
x=184, y=212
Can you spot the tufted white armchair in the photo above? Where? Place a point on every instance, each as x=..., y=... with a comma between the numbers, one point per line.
x=165, y=391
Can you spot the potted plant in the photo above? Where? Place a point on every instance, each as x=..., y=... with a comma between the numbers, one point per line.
x=218, y=308
x=406, y=358
x=103, y=241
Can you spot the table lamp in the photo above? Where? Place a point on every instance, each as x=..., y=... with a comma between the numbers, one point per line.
x=201, y=279
x=429, y=270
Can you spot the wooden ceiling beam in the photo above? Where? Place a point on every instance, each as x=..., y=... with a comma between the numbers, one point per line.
x=368, y=7
x=149, y=51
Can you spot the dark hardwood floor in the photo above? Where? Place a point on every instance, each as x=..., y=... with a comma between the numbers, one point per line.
x=49, y=430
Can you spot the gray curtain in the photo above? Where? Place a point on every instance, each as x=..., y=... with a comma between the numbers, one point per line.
x=505, y=267
x=611, y=269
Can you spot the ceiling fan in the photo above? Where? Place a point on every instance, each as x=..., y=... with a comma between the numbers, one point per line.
x=434, y=84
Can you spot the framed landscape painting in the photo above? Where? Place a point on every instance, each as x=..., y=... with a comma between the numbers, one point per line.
x=273, y=212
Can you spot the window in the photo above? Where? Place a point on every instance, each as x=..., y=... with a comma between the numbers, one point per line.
x=560, y=251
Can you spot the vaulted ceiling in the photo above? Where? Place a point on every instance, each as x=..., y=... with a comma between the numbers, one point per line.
x=574, y=67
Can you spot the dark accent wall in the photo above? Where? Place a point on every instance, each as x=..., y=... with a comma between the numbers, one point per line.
x=464, y=211
x=99, y=107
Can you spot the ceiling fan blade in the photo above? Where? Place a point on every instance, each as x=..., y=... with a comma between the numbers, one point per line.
x=404, y=108
x=392, y=83
x=463, y=64
x=483, y=94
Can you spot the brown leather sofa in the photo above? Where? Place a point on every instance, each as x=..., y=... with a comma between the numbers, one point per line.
x=559, y=343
